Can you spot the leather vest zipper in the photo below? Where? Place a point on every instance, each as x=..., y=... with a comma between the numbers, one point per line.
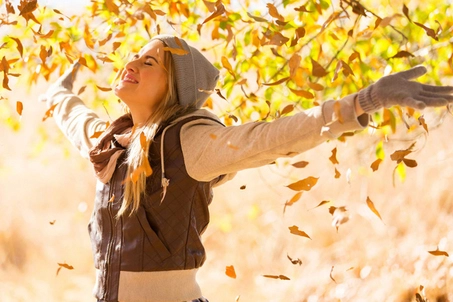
x=112, y=237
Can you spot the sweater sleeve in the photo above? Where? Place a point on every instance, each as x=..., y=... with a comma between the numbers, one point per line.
x=77, y=122
x=211, y=150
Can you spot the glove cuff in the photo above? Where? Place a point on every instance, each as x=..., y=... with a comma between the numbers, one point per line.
x=368, y=100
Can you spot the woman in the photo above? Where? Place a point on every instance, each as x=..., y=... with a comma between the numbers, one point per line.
x=157, y=164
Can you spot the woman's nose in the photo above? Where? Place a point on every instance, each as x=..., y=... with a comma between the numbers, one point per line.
x=131, y=66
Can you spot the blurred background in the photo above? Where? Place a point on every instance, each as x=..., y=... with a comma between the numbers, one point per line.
x=47, y=193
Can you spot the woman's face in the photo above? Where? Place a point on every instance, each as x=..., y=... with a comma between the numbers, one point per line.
x=143, y=82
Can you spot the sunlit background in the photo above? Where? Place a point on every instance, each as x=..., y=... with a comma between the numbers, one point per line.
x=47, y=192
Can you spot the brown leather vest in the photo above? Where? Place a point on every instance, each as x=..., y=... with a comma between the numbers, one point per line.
x=159, y=236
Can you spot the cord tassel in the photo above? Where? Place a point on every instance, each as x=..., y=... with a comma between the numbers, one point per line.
x=165, y=184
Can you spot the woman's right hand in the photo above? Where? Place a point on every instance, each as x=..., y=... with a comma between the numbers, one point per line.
x=64, y=82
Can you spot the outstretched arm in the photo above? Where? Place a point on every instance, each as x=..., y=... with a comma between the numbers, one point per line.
x=75, y=120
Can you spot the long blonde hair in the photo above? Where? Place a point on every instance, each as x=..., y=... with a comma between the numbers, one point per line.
x=137, y=152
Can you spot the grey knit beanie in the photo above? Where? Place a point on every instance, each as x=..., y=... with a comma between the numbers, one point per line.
x=193, y=73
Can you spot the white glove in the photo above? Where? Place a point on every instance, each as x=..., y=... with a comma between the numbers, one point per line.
x=396, y=89
x=64, y=83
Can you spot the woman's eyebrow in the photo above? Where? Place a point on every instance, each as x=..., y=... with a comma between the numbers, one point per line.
x=151, y=57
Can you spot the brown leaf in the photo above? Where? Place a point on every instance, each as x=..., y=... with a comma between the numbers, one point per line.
x=315, y=86
x=81, y=90
x=318, y=70
x=49, y=112
x=406, y=12
x=422, y=122
x=293, y=63
x=439, y=253
x=322, y=203
x=333, y=157
x=337, y=110
x=402, y=54
x=274, y=12
x=300, y=164
x=411, y=163
x=287, y=109
x=278, y=39
x=9, y=8
x=19, y=107
x=277, y=82
x=20, y=48
x=429, y=31
x=375, y=164
x=281, y=277
x=26, y=7
x=104, y=88
x=52, y=222
x=112, y=7
x=331, y=274
x=230, y=272
x=295, y=230
x=294, y=261
x=303, y=93
x=304, y=184
x=372, y=207
x=258, y=19
x=302, y=9
x=219, y=10
x=243, y=187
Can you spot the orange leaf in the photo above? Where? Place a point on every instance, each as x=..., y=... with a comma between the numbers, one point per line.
x=315, y=86
x=322, y=203
x=372, y=207
x=64, y=265
x=333, y=157
x=295, y=230
x=112, y=199
x=52, y=222
x=226, y=64
x=438, y=253
x=287, y=109
x=337, y=173
x=230, y=272
x=176, y=51
x=281, y=277
x=20, y=48
x=19, y=107
x=303, y=93
x=274, y=12
x=318, y=70
x=293, y=199
x=422, y=122
x=49, y=112
x=304, y=184
x=375, y=164
x=143, y=141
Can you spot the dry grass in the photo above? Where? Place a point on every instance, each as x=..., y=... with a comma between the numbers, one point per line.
x=372, y=260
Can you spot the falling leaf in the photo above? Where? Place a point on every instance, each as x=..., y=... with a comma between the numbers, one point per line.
x=315, y=86
x=337, y=111
x=104, y=88
x=64, y=265
x=52, y=222
x=337, y=173
x=429, y=31
x=300, y=164
x=339, y=216
x=20, y=48
x=331, y=274
x=278, y=39
x=49, y=112
x=143, y=141
x=293, y=199
x=112, y=199
x=304, y=184
x=294, y=261
x=422, y=122
x=243, y=187
x=375, y=164
x=112, y=7
x=226, y=64
x=333, y=157
x=213, y=136
x=176, y=51
x=322, y=203
x=230, y=145
x=281, y=277
x=81, y=90
x=277, y=82
x=295, y=230
x=294, y=63
x=303, y=93
x=274, y=12
x=402, y=54
x=406, y=12
x=400, y=156
x=219, y=10
x=287, y=109
x=438, y=253
x=318, y=70
x=96, y=134
x=19, y=107
x=372, y=207
x=230, y=272
x=258, y=19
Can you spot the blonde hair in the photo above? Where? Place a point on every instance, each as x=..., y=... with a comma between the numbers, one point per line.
x=137, y=153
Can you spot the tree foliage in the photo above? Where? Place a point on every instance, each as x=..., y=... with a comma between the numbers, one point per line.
x=275, y=58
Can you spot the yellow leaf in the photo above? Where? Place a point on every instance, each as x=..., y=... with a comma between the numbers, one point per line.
x=304, y=184
x=372, y=207
x=295, y=230
x=230, y=272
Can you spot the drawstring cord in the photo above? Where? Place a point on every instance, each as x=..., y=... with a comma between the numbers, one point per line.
x=165, y=182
